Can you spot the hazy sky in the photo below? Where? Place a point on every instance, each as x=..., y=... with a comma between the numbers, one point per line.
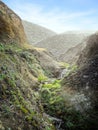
x=58, y=15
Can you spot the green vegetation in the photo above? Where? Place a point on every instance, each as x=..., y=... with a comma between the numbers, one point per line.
x=68, y=66
x=49, y=93
x=18, y=87
x=11, y=48
x=42, y=78
x=56, y=103
x=64, y=65
x=30, y=93
x=1, y=47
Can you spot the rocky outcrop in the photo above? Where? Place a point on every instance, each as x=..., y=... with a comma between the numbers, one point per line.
x=11, y=28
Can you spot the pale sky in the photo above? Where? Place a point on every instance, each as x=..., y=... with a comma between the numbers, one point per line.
x=58, y=15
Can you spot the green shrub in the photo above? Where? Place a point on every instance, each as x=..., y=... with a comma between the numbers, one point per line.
x=57, y=105
x=42, y=78
x=2, y=47
x=6, y=110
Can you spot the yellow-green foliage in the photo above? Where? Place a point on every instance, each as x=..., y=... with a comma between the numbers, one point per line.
x=57, y=105
x=65, y=65
x=18, y=92
x=27, y=101
x=1, y=47
x=42, y=78
x=74, y=68
x=49, y=92
x=9, y=47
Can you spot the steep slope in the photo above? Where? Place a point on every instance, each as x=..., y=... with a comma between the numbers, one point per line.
x=11, y=28
x=31, y=98
x=85, y=79
x=20, y=73
x=36, y=33
x=59, y=44
x=72, y=55
x=20, y=103
x=90, y=50
x=51, y=67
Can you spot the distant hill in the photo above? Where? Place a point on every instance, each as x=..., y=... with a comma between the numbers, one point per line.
x=71, y=55
x=59, y=44
x=36, y=33
x=32, y=94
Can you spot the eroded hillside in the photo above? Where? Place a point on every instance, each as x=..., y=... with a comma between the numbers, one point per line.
x=32, y=93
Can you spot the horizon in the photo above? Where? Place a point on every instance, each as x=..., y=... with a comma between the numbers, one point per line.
x=68, y=15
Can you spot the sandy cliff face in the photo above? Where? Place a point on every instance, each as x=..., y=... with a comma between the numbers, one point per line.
x=11, y=29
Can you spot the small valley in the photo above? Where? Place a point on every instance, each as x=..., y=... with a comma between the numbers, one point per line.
x=48, y=81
